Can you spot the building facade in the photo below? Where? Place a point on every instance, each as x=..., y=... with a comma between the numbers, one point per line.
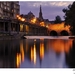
x=9, y=9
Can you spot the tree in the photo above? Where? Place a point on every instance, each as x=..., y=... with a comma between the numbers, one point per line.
x=70, y=17
x=57, y=19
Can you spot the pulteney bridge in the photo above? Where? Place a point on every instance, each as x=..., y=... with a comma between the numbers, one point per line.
x=18, y=29
x=59, y=29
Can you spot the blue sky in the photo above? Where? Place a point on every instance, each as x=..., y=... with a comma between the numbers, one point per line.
x=50, y=9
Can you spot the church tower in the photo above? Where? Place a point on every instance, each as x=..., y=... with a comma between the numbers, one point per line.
x=40, y=14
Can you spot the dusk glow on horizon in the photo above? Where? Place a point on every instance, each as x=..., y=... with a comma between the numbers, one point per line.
x=50, y=9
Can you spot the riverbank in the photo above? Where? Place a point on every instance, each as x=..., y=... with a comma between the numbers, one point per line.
x=8, y=37
x=49, y=37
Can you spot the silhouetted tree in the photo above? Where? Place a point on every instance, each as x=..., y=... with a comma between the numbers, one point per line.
x=70, y=17
x=57, y=19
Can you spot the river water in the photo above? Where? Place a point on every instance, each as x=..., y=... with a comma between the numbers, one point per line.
x=37, y=53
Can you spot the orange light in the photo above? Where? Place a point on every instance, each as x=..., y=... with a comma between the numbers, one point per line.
x=33, y=54
x=59, y=27
x=42, y=24
x=17, y=16
x=22, y=19
x=42, y=49
x=65, y=45
x=33, y=20
x=46, y=26
x=18, y=60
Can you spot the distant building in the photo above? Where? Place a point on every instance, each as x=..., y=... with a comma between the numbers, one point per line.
x=9, y=9
x=39, y=20
x=28, y=16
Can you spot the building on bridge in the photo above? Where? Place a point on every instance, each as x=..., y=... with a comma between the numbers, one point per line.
x=28, y=17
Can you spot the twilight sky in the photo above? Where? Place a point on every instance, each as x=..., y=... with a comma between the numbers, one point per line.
x=50, y=9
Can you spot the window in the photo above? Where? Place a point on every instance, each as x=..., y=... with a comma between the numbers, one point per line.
x=1, y=5
x=5, y=3
x=5, y=7
x=12, y=10
x=8, y=8
x=8, y=4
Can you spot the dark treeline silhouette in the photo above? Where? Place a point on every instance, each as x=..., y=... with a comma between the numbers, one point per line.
x=57, y=19
x=70, y=17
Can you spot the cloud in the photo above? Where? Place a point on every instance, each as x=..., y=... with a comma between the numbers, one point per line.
x=47, y=3
x=61, y=3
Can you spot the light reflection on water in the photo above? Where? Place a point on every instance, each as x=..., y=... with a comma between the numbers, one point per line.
x=45, y=53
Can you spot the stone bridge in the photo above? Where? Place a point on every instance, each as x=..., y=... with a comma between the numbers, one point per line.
x=59, y=29
x=18, y=28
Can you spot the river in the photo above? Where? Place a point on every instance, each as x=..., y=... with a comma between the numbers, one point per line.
x=37, y=53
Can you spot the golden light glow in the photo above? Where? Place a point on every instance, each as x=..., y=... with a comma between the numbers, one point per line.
x=60, y=45
x=46, y=26
x=27, y=28
x=33, y=20
x=33, y=54
x=17, y=16
x=20, y=56
x=18, y=60
x=21, y=27
x=42, y=24
x=59, y=27
x=42, y=48
x=22, y=19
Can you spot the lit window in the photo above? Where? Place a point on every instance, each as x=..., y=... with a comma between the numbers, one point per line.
x=5, y=7
x=8, y=4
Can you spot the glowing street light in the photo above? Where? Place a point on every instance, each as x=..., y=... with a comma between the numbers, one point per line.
x=22, y=19
x=42, y=24
x=33, y=20
x=17, y=16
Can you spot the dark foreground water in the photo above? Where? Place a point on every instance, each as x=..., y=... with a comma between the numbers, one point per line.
x=41, y=53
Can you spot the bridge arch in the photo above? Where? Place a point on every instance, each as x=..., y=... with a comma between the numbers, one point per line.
x=53, y=33
x=64, y=33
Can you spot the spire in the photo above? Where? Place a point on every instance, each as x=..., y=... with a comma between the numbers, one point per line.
x=40, y=9
x=40, y=14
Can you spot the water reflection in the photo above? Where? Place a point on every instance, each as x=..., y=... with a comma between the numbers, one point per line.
x=20, y=56
x=60, y=45
x=37, y=53
x=41, y=48
x=33, y=53
x=70, y=57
